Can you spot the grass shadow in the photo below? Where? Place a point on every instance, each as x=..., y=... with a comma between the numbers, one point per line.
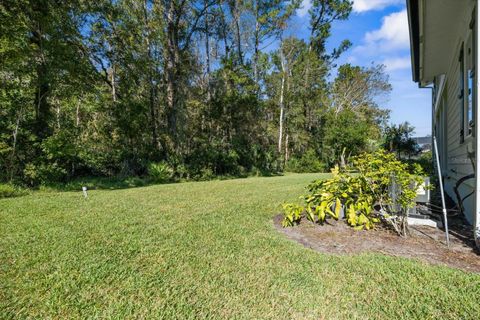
x=100, y=183
x=116, y=183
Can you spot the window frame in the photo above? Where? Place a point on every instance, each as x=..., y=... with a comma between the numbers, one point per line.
x=461, y=95
x=467, y=83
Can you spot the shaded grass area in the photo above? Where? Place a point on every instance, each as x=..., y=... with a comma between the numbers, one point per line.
x=11, y=191
x=99, y=183
x=201, y=250
x=115, y=183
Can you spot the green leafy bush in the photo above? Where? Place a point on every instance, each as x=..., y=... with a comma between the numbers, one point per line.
x=368, y=183
x=425, y=161
x=182, y=172
x=160, y=172
x=44, y=173
x=9, y=191
x=309, y=162
x=205, y=174
x=292, y=214
x=30, y=174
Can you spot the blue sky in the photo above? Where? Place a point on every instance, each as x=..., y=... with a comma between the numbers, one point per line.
x=378, y=30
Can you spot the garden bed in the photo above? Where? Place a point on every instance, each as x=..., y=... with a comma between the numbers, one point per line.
x=425, y=243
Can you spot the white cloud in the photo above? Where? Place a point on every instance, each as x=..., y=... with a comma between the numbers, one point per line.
x=367, y=5
x=358, y=5
x=393, y=64
x=303, y=11
x=392, y=35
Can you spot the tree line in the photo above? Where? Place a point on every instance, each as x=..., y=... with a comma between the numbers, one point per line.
x=211, y=87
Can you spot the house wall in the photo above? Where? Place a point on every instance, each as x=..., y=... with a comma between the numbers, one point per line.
x=457, y=157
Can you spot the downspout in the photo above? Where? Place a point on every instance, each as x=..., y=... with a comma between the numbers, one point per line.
x=476, y=221
x=440, y=182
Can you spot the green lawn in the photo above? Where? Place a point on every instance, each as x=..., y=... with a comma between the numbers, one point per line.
x=201, y=250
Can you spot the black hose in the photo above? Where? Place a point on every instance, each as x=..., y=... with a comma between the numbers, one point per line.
x=457, y=193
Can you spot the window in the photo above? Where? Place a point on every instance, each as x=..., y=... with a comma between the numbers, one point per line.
x=467, y=77
x=470, y=82
x=461, y=96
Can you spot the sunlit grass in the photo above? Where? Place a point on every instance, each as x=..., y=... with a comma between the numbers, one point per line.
x=201, y=250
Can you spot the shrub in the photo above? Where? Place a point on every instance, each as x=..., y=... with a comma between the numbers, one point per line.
x=205, y=174
x=30, y=174
x=9, y=191
x=160, y=172
x=309, y=162
x=345, y=130
x=425, y=160
x=43, y=173
x=357, y=193
x=52, y=172
x=182, y=172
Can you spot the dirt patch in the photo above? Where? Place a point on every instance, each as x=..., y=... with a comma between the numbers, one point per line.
x=425, y=243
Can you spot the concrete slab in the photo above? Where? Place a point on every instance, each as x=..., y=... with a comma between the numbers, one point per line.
x=424, y=222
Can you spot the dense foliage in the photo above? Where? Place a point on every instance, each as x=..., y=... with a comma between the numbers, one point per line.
x=105, y=88
x=374, y=180
x=160, y=172
x=398, y=139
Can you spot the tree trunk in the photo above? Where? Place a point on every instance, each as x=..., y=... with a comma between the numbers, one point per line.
x=42, y=90
x=42, y=107
x=77, y=114
x=224, y=32
x=14, y=144
x=282, y=106
x=57, y=113
x=286, y=149
x=151, y=83
x=257, y=43
x=153, y=116
x=238, y=38
x=207, y=53
x=172, y=57
x=112, y=81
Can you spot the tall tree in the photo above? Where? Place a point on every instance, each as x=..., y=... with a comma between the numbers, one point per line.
x=354, y=118
x=270, y=18
x=322, y=14
x=398, y=139
x=182, y=22
x=105, y=87
x=357, y=88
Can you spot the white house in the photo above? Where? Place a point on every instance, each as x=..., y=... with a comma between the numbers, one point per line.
x=444, y=35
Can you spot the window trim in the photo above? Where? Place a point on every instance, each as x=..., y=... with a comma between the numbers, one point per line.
x=469, y=84
x=467, y=79
x=461, y=95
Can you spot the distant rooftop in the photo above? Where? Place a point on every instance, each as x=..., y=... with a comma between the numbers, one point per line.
x=423, y=140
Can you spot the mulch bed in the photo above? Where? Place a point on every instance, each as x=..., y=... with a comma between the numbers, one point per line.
x=425, y=243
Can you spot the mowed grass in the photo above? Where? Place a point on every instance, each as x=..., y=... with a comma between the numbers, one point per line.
x=201, y=250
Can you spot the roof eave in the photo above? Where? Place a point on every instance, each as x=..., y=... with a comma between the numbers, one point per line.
x=414, y=29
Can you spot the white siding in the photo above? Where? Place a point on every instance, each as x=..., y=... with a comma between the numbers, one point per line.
x=458, y=162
